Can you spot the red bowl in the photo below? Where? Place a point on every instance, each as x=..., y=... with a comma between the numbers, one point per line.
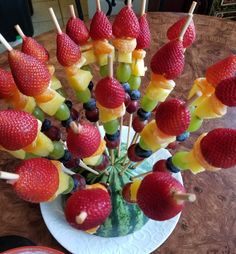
x=32, y=249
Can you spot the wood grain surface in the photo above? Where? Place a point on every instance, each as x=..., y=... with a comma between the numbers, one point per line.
x=206, y=227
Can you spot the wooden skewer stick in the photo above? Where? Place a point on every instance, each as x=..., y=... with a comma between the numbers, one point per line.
x=135, y=138
x=137, y=164
x=81, y=217
x=193, y=98
x=141, y=175
x=84, y=166
x=5, y=43
x=190, y=197
x=125, y=168
x=55, y=21
x=8, y=176
x=124, y=161
x=19, y=31
x=143, y=7
x=129, y=3
x=98, y=5
x=110, y=66
x=192, y=8
x=112, y=157
x=130, y=124
x=121, y=125
x=67, y=170
x=185, y=27
x=72, y=11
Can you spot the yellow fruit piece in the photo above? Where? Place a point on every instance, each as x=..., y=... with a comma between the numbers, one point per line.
x=53, y=105
x=80, y=81
x=138, y=67
x=92, y=230
x=89, y=57
x=19, y=154
x=101, y=148
x=55, y=83
x=124, y=57
x=46, y=96
x=92, y=160
x=193, y=164
x=139, y=54
x=134, y=189
x=211, y=107
x=102, y=47
x=106, y=114
x=96, y=186
x=73, y=69
x=87, y=46
x=160, y=81
x=42, y=146
x=125, y=45
x=103, y=60
x=30, y=105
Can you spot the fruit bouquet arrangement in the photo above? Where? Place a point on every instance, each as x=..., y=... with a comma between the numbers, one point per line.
x=106, y=182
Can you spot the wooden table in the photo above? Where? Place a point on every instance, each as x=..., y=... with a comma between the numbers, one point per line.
x=208, y=225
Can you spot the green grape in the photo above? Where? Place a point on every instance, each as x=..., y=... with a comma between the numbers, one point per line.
x=103, y=70
x=111, y=127
x=180, y=160
x=195, y=123
x=63, y=113
x=134, y=82
x=58, y=150
x=123, y=72
x=61, y=92
x=86, y=68
x=83, y=96
x=70, y=186
x=38, y=113
x=147, y=104
x=143, y=145
x=99, y=160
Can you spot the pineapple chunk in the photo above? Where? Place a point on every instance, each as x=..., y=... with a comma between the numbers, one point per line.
x=102, y=58
x=80, y=81
x=91, y=160
x=30, y=105
x=138, y=67
x=53, y=105
x=89, y=56
x=55, y=83
x=124, y=57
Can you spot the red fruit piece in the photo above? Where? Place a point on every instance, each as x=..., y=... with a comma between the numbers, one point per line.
x=84, y=143
x=17, y=129
x=31, y=47
x=144, y=38
x=7, y=84
x=160, y=166
x=31, y=76
x=155, y=196
x=109, y=93
x=173, y=117
x=169, y=60
x=100, y=27
x=77, y=31
x=221, y=70
x=132, y=155
x=95, y=202
x=219, y=148
x=38, y=181
x=126, y=24
x=226, y=91
x=68, y=53
x=175, y=30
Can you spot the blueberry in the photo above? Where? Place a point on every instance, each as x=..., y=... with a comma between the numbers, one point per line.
x=171, y=166
x=46, y=125
x=141, y=152
x=90, y=86
x=90, y=105
x=135, y=95
x=183, y=136
x=113, y=137
x=67, y=122
x=68, y=104
x=143, y=115
x=126, y=87
x=67, y=156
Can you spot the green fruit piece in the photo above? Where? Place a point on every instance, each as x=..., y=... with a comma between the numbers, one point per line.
x=63, y=113
x=134, y=82
x=147, y=104
x=38, y=113
x=61, y=92
x=123, y=72
x=31, y=156
x=195, y=123
x=179, y=160
x=143, y=145
x=58, y=150
x=70, y=186
x=99, y=161
x=86, y=68
x=83, y=96
x=103, y=70
x=111, y=127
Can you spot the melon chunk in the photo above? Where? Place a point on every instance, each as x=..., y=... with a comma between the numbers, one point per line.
x=89, y=56
x=124, y=57
x=30, y=105
x=55, y=83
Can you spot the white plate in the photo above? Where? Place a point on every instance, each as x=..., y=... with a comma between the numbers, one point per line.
x=144, y=241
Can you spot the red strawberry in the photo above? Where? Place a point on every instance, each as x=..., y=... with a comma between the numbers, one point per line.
x=18, y=129
x=173, y=117
x=155, y=196
x=68, y=53
x=7, y=84
x=219, y=148
x=169, y=60
x=226, y=91
x=221, y=70
x=109, y=93
x=31, y=76
x=31, y=47
x=160, y=166
x=175, y=30
x=96, y=203
x=126, y=24
x=100, y=27
x=86, y=142
x=77, y=31
x=38, y=181
x=144, y=38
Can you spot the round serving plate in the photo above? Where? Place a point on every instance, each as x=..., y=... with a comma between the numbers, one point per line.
x=144, y=241
x=32, y=250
